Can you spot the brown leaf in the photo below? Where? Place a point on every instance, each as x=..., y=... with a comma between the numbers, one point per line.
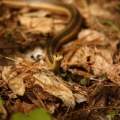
x=114, y=74
x=57, y=87
x=91, y=52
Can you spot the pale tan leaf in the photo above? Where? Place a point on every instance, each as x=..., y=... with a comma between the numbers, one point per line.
x=55, y=86
x=17, y=86
x=36, y=24
x=114, y=74
x=91, y=51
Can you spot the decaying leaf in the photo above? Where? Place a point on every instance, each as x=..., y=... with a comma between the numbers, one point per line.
x=92, y=37
x=91, y=52
x=36, y=24
x=90, y=67
x=55, y=86
x=16, y=76
x=17, y=86
x=114, y=74
x=14, y=81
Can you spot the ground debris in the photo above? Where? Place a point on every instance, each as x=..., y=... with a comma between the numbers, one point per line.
x=87, y=84
x=22, y=75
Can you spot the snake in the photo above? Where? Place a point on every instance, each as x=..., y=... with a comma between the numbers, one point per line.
x=72, y=28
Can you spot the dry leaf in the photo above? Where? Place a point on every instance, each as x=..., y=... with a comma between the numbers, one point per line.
x=92, y=37
x=56, y=86
x=17, y=85
x=14, y=81
x=36, y=24
x=28, y=72
x=91, y=52
x=114, y=74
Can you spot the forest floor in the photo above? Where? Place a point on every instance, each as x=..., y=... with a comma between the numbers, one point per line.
x=86, y=86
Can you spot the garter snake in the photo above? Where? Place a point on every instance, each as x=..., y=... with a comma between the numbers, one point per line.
x=74, y=20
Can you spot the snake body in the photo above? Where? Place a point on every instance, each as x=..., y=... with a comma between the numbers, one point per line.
x=74, y=20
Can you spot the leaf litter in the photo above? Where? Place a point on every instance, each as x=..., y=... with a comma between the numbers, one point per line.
x=87, y=85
